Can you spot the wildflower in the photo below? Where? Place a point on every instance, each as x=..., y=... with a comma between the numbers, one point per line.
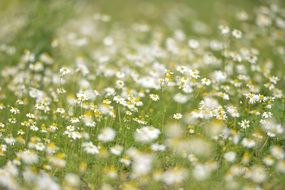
x=266, y=115
x=120, y=84
x=108, y=41
x=146, y=134
x=60, y=110
x=9, y=140
x=64, y=71
x=154, y=97
x=72, y=179
x=198, y=146
x=72, y=133
x=237, y=34
x=271, y=128
x=233, y=111
x=142, y=163
x=180, y=98
x=57, y=160
x=125, y=161
x=116, y=150
x=194, y=73
x=88, y=121
x=181, y=69
x=45, y=181
x=177, y=116
x=230, y=156
x=158, y=147
x=244, y=124
x=268, y=160
x=206, y=81
x=203, y=171
x=277, y=152
x=28, y=157
x=107, y=134
x=193, y=44
x=90, y=148
x=81, y=96
x=257, y=174
x=281, y=166
x=248, y=143
x=46, y=58
x=219, y=76
x=224, y=29
x=14, y=110
x=174, y=176
x=263, y=20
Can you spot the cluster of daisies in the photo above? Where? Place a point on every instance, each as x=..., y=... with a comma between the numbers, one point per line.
x=148, y=107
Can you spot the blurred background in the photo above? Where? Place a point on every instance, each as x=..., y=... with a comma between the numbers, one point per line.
x=33, y=25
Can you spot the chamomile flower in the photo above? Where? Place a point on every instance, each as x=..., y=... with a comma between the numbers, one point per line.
x=90, y=148
x=154, y=97
x=116, y=150
x=28, y=157
x=64, y=71
x=230, y=156
x=107, y=134
x=237, y=33
x=177, y=116
x=244, y=124
x=146, y=134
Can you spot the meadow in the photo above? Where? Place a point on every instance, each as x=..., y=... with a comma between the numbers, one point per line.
x=142, y=95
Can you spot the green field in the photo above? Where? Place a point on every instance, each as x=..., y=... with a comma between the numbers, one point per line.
x=142, y=94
